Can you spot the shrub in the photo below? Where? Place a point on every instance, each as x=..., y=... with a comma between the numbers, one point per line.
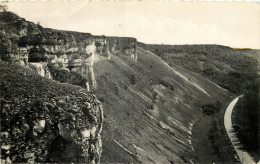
x=211, y=109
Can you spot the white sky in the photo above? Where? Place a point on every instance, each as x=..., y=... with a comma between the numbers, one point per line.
x=235, y=24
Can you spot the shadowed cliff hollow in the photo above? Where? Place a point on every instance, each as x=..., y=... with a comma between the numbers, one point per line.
x=149, y=107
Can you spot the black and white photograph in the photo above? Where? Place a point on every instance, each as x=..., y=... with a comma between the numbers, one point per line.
x=130, y=81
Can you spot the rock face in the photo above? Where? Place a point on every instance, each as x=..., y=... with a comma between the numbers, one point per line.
x=43, y=49
x=126, y=46
x=43, y=120
x=46, y=121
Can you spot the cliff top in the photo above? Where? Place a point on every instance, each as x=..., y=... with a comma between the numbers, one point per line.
x=11, y=20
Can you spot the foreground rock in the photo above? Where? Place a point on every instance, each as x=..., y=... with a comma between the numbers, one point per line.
x=46, y=121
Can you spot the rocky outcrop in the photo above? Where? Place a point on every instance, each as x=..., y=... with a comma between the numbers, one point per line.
x=27, y=43
x=46, y=121
x=41, y=69
x=123, y=45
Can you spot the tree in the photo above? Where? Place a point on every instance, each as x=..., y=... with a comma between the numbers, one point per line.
x=247, y=117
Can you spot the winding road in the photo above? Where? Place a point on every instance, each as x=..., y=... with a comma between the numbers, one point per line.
x=244, y=157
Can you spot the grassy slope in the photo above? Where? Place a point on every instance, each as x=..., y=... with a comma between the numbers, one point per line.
x=148, y=107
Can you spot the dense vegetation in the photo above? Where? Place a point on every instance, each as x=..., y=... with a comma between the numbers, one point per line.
x=211, y=109
x=247, y=114
x=230, y=68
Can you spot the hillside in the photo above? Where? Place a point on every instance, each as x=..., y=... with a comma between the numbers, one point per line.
x=230, y=68
x=150, y=107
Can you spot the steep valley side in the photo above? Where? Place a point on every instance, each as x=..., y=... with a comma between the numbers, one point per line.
x=149, y=107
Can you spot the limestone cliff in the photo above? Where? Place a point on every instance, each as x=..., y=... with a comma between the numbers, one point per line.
x=68, y=52
x=43, y=120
